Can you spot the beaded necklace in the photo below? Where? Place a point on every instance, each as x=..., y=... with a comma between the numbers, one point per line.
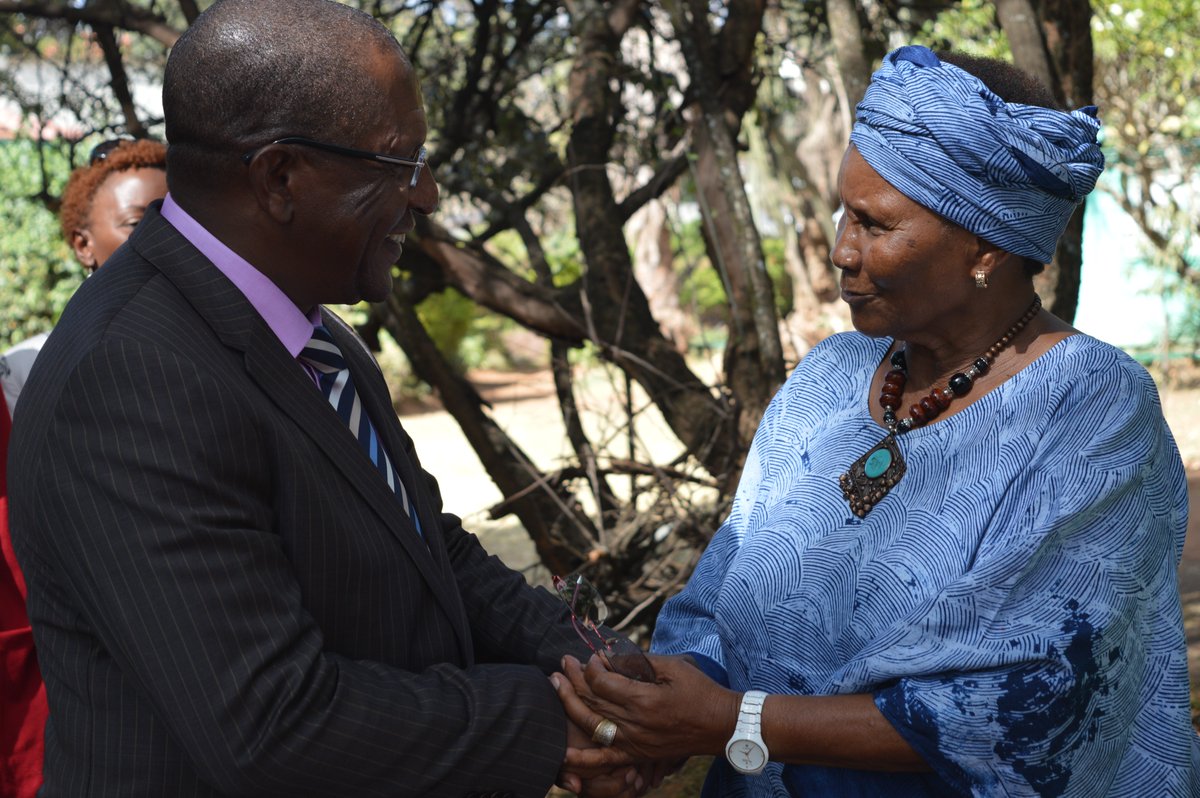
x=873, y=475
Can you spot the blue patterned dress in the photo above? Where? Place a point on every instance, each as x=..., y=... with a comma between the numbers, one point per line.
x=1012, y=604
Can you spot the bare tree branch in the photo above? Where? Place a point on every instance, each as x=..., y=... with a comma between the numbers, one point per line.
x=483, y=278
x=116, y=15
x=560, y=531
x=190, y=10
x=120, y=81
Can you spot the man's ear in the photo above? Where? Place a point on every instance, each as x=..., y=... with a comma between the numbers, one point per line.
x=273, y=181
x=81, y=245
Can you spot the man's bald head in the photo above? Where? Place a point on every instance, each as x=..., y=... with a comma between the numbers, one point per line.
x=248, y=72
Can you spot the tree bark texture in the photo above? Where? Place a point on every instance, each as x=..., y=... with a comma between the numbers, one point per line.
x=753, y=351
x=1020, y=22
x=614, y=305
x=846, y=31
x=1052, y=40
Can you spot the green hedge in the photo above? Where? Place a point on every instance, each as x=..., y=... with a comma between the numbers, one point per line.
x=38, y=274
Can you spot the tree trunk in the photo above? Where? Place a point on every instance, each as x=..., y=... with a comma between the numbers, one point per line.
x=190, y=10
x=805, y=123
x=1020, y=22
x=564, y=387
x=614, y=305
x=754, y=351
x=1052, y=40
x=854, y=65
x=654, y=268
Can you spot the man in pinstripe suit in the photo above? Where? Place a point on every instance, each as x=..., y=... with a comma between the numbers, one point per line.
x=228, y=596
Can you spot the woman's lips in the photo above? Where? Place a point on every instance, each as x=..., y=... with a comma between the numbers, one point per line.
x=854, y=297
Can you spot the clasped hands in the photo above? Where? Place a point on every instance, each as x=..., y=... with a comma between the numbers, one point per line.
x=660, y=725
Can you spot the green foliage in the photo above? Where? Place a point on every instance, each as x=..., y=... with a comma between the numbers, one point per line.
x=968, y=27
x=38, y=274
x=563, y=255
x=560, y=246
x=1148, y=84
x=702, y=288
x=1146, y=50
x=447, y=317
x=471, y=336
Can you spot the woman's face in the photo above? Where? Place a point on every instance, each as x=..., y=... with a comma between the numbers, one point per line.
x=117, y=207
x=906, y=272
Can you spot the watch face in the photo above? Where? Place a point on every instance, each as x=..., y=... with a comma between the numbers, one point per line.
x=746, y=755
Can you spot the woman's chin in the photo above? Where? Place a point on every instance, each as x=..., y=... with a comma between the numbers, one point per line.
x=868, y=323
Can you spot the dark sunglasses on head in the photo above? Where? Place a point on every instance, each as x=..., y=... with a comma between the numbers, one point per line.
x=104, y=149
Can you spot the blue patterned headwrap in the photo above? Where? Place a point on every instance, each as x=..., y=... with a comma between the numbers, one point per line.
x=1010, y=173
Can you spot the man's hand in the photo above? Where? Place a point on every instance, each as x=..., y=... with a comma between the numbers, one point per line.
x=598, y=781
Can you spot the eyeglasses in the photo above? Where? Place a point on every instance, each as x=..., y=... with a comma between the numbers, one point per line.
x=588, y=610
x=349, y=152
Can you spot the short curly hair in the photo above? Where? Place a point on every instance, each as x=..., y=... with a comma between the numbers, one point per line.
x=86, y=180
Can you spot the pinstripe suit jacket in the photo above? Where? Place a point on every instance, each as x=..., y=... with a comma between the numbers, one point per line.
x=226, y=598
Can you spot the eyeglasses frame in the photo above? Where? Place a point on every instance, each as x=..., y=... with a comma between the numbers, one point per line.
x=590, y=626
x=349, y=152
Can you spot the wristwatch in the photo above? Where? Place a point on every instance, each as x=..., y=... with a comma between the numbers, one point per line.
x=746, y=751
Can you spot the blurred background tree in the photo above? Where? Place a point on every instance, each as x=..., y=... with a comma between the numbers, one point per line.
x=643, y=184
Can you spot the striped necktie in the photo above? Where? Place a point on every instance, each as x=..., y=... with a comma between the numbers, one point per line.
x=323, y=355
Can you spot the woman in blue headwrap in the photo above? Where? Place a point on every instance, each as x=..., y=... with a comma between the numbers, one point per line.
x=950, y=567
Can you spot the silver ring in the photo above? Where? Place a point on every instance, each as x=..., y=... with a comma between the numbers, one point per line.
x=605, y=733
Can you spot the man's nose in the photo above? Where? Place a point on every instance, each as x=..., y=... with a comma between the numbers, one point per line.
x=424, y=196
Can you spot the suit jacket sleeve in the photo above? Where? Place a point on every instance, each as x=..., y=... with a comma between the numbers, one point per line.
x=158, y=487
x=510, y=621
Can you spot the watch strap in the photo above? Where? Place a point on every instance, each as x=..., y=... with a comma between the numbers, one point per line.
x=749, y=720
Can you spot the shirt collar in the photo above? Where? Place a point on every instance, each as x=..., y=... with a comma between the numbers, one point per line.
x=291, y=326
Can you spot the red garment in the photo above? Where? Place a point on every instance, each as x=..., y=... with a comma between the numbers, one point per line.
x=23, y=707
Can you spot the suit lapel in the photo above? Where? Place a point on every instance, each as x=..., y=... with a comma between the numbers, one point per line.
x=377, y=401
x=237, y=325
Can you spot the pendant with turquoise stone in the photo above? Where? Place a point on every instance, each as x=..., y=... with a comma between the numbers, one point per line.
x=872, y=476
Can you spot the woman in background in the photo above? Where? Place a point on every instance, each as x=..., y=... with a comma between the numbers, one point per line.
x=101, y=205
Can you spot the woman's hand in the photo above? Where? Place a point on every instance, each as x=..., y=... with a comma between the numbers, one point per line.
x=685, y=713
